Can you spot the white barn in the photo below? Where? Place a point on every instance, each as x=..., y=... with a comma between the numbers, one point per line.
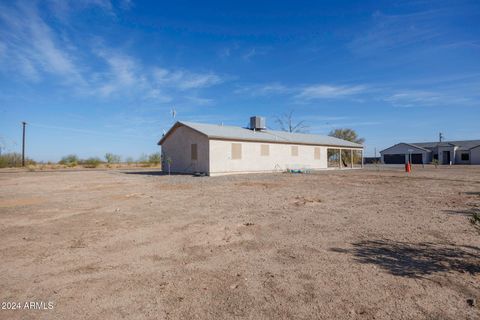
x=216, y=149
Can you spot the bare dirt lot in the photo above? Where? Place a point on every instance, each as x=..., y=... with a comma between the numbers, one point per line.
x=361, y=244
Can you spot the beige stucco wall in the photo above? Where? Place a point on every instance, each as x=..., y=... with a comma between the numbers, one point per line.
x=280, y=157
x=177, y=146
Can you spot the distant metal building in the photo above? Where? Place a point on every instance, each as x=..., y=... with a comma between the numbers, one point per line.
x=446, y=152
x=216, y=149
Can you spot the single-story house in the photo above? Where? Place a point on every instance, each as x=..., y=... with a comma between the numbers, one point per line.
x=217, y=149
x=446, y=152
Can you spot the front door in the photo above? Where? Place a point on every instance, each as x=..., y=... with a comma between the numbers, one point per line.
x=446, y=157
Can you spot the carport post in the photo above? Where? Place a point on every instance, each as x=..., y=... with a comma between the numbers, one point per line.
x=340, y=158
x=351, y=158
x=362, y=156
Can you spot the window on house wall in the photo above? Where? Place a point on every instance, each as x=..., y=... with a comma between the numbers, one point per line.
x=294, y=151
x=236, y=151
x=193, y=151
x=265, y=150
x=465, y=157
x=316, y=154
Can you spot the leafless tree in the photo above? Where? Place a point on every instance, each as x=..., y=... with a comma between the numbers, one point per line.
x=286, y=123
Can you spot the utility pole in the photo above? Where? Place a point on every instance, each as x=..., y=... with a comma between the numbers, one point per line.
x=23, y=144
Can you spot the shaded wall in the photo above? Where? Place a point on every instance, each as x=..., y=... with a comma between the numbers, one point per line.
x=178, y=147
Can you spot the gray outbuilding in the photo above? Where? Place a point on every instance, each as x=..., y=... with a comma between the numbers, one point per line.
x=446, y=152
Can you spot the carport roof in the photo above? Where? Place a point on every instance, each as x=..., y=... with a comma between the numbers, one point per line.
x=213, y=131
x=462, y=144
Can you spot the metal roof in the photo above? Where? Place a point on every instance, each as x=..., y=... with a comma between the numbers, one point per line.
x=428, y=146
x=408, y=144
x=464, y=144
x=213, y=131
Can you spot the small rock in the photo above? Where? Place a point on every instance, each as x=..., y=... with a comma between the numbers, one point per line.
x=234, y=286
x=472, y=302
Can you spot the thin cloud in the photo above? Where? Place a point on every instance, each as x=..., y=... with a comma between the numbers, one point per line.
x=193, y=81
x=264, y=90
x=64, y=9
x=426, y=99
x=200, y=101
x=184, y=80
x=31, y=46
x=34, y=51
x=123, y=73
x=323, y=91
x=389, y=32
x=309, y=92
x=253, y=52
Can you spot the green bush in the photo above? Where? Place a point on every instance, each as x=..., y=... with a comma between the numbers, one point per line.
x=112, y=158
x=14, y=159
x=91, y=162
x=475, y=219
x=71, y=160
x=143, y=158
x=155, y=158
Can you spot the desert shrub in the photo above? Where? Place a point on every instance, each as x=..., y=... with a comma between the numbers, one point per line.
x=14, y=159
x=143, y=158
x=70, y=160
x=155, y=158
x=91, y=162
x=112, y=158
x=475, y=219
x=129, y=160
x=168, y=164
x=435, y=162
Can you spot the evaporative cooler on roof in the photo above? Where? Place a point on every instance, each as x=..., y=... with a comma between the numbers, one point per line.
x=257, y=123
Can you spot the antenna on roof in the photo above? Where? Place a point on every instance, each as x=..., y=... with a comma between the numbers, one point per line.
x=440, y=136
x=173, y=113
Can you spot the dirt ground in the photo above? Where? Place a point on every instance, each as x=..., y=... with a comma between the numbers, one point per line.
x=353, y=244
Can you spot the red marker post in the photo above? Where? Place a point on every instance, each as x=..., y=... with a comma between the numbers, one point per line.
x=408, y=167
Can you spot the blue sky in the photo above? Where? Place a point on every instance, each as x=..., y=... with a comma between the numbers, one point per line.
x=97, y=76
